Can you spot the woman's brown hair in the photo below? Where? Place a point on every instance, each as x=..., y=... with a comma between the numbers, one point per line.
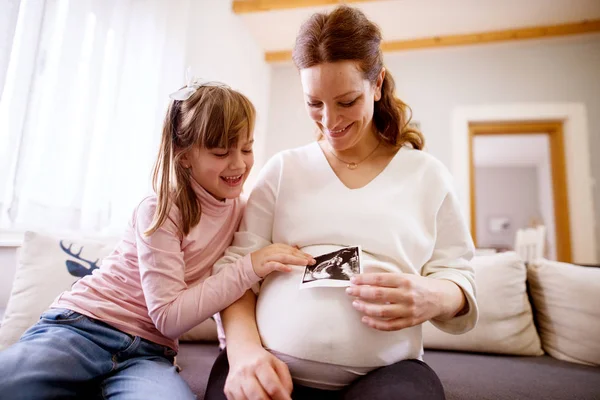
x=346, y=34
x=213, y=117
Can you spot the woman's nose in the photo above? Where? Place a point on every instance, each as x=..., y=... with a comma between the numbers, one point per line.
x=328, y=118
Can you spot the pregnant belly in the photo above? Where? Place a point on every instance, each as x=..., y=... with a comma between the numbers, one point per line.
x=320, y=324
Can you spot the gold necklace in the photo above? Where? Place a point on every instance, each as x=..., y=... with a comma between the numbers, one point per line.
x=353, y=165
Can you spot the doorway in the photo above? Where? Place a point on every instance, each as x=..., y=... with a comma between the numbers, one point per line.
x=518, y=180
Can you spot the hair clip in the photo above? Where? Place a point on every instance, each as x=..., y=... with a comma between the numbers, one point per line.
x=192, y=85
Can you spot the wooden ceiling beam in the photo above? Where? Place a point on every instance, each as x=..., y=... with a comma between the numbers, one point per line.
x=252, y=6
x=536, y=32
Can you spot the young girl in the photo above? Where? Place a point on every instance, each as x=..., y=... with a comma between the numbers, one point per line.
x=115, y=332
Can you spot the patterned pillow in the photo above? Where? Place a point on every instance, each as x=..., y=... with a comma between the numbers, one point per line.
x=49, y=265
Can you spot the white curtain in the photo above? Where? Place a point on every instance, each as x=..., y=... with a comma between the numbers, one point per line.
x=82, y=107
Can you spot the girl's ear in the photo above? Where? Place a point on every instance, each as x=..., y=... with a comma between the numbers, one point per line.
x=185, y=161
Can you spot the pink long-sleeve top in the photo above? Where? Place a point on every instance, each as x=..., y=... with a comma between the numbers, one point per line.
x=160, y=286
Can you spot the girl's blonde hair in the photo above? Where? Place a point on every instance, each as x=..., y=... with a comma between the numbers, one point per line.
x=213, y=117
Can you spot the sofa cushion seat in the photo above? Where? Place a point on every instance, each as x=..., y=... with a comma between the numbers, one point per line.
x=500, y=377
x=464, y=375
x=196, y=361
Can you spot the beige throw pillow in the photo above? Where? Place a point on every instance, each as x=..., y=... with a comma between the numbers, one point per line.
x=566, y=298
x=205, y=332
x=505, y=323
x=45, y=270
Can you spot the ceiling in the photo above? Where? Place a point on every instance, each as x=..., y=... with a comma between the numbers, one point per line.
x=510, y=150
x=411, y=19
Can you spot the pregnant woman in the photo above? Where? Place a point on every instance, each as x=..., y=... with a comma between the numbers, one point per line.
x=365, y=181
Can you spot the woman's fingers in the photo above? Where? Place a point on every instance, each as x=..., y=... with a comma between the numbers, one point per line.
x=271, y=384
x=283, y=372
x=384, y=279
x=389, y=325
x=234, y=393
x=253, y=390
x=386, y=311
x=375, y=294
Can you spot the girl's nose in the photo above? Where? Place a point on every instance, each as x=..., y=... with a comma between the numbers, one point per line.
x=237, y=161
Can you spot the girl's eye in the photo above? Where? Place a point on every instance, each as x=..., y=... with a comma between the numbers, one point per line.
x=247, y=151
x=221, y=155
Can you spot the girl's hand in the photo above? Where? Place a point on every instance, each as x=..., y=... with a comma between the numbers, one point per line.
x=257, y=374
x=275, y=257
x=392, y=301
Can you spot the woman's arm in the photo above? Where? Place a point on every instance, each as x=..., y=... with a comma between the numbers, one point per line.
x=450, y=264
x=444, y=294
x=253, y=371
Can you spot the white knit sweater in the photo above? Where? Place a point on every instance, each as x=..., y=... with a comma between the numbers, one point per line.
x=407, y=220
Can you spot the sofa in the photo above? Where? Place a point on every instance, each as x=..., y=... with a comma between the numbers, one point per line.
x=464, y=375
x=538, y=335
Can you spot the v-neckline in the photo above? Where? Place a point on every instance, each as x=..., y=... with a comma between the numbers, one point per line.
x=337, y=178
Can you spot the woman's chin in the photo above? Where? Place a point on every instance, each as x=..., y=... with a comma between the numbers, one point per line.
x=343, y=142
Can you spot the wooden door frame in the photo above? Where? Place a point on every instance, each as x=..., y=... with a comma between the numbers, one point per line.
x=558, y=168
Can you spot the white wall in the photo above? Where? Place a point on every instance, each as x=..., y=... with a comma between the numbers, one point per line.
x=436, y=82
x=510, y=192
x=8, y=264
x=219, y=47
x=546, y=201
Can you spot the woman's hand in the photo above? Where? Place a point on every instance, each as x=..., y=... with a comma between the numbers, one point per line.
x=275, y=257
x=256, y=374
x=392, y=301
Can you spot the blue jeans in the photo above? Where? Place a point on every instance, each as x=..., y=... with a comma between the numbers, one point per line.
x=68, y=355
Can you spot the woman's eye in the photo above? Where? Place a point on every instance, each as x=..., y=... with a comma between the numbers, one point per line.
x=349, y=104
x=313, y=105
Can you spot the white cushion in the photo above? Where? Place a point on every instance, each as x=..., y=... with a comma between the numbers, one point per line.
x=566, y=298
x=505, y=323
x=43, y=273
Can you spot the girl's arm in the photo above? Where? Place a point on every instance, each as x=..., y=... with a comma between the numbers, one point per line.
x=173, y=306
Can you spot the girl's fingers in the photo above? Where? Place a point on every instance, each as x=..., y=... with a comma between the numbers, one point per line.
x=296, y=251
x=289, y=259
x=300, y=253
x=277, y=266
